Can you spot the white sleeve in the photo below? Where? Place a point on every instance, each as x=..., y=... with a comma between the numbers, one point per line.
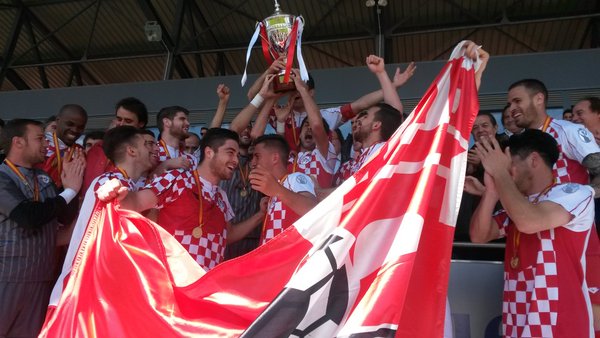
x=229, y=213
x=299, y=182
x=330, y=161
x=333, y=116
x=578, y=200
x=580, y=143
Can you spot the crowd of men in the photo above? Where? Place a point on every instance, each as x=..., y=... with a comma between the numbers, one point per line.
x=228, y=191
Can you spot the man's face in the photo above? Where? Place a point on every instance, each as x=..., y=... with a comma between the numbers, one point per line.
x=192, y=143
x=124, y=117
x=70, y=126
x=262, y=156
x=521, y=173
x=509, y=123
x=89, y=143
x=568, y=116
x=522, y=106
x=363, y=124
x=483, y=128
x=245, y=139
x=583, y=114
x=147, y=148
x=35, y=144
x=307, y=142
x=225, y=160
x=180, y=126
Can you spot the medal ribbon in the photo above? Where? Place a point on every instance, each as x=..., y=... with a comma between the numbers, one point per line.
x=164, y=145
x=68, y=152
x=244, y=175
x=199, y=187
x=264, y=226
x=36, y=188
x=546, y=123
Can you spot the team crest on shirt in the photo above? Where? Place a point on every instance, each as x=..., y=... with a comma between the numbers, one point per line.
x=44, y=179
x=304, y=160
x=301, y=179
x=584, y=135
x=570, y=188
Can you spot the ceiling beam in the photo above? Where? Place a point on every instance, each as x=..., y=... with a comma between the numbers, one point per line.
x=11, y=42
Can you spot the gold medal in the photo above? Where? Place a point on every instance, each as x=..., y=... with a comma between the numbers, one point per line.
x=514, y=262
x=197, y=231
x=243, y=193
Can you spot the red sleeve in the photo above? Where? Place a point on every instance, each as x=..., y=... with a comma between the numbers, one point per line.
x=96, y=163
x=49, y=166
x=346, y=111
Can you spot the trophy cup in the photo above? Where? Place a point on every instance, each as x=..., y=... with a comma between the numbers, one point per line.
x=280, y=35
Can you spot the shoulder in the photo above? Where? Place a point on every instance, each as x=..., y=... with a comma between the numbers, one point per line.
x=330, y=110
x=299, y=178
x=572, y=190
x=573, y=131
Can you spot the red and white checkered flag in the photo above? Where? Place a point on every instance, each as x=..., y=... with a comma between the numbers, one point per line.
x=372, y=259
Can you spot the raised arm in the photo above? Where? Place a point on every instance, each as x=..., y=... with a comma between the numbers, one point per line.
x=370, y=99
x=315, y=120
x=275, y=68
x=223, y=94
x=243, y=118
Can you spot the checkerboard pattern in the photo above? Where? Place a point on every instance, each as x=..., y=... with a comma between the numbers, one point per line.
x=208, y=250
x=275, y=220
x=162, y=155
x=530, y=302
x=105, y=177
x=560, y=167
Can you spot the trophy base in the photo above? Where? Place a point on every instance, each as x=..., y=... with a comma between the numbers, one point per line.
x=280, y=87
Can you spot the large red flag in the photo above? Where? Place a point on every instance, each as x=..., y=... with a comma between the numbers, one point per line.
x=370, y=260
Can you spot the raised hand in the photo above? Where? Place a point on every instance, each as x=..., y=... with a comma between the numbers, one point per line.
x=72, y=171
x=263, y=181
x=223, y=92
x=494, y=161
x=375, y=64
x=400, y=78
x=473, y=186
x=277, y=66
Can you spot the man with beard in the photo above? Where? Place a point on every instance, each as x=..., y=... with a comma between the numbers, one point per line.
x=129, y=111
x=191, y=205
x=70, y=124
x=174, y=126
x=291, y=195
x=578, y=155
x=133, y=152
x=287, y=120
x=547, y=226
x=30, y=212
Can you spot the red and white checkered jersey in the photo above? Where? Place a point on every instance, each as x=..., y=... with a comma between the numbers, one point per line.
x=50, y=164
x=171, y=152
x=314, y=164
x=125, y=181
x=333, y=116
x=546, y=294
x=349, y=168
x=280, y=216
x=575, y=142
x=179, y=209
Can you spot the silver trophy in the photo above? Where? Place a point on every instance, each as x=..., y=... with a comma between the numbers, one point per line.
x=280, y=35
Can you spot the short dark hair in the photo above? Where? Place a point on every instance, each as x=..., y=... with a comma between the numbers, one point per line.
x=147, y=132
x=74, y=108
x=94, y=135
x=116, y=139
x=277, y=142
x=135, y=106
x=15, y=128
x=594, y=103
x=534, y=140
x=215, y=138
x=169, y=113
x=567, y=111
x=533, y=86
x=195, y=135
x=390, y=118
x=49, y=120
x=490, y=116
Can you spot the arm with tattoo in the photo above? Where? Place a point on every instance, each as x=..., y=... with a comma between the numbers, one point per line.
x=592, y=163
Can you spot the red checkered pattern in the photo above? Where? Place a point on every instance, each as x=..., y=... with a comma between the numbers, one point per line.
x=312, y=163
x=560, y=167
x=162, y=155
x=208, y=250
x=126, y=182
x=352, y=166
x=530, y=305
x=275, y=220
